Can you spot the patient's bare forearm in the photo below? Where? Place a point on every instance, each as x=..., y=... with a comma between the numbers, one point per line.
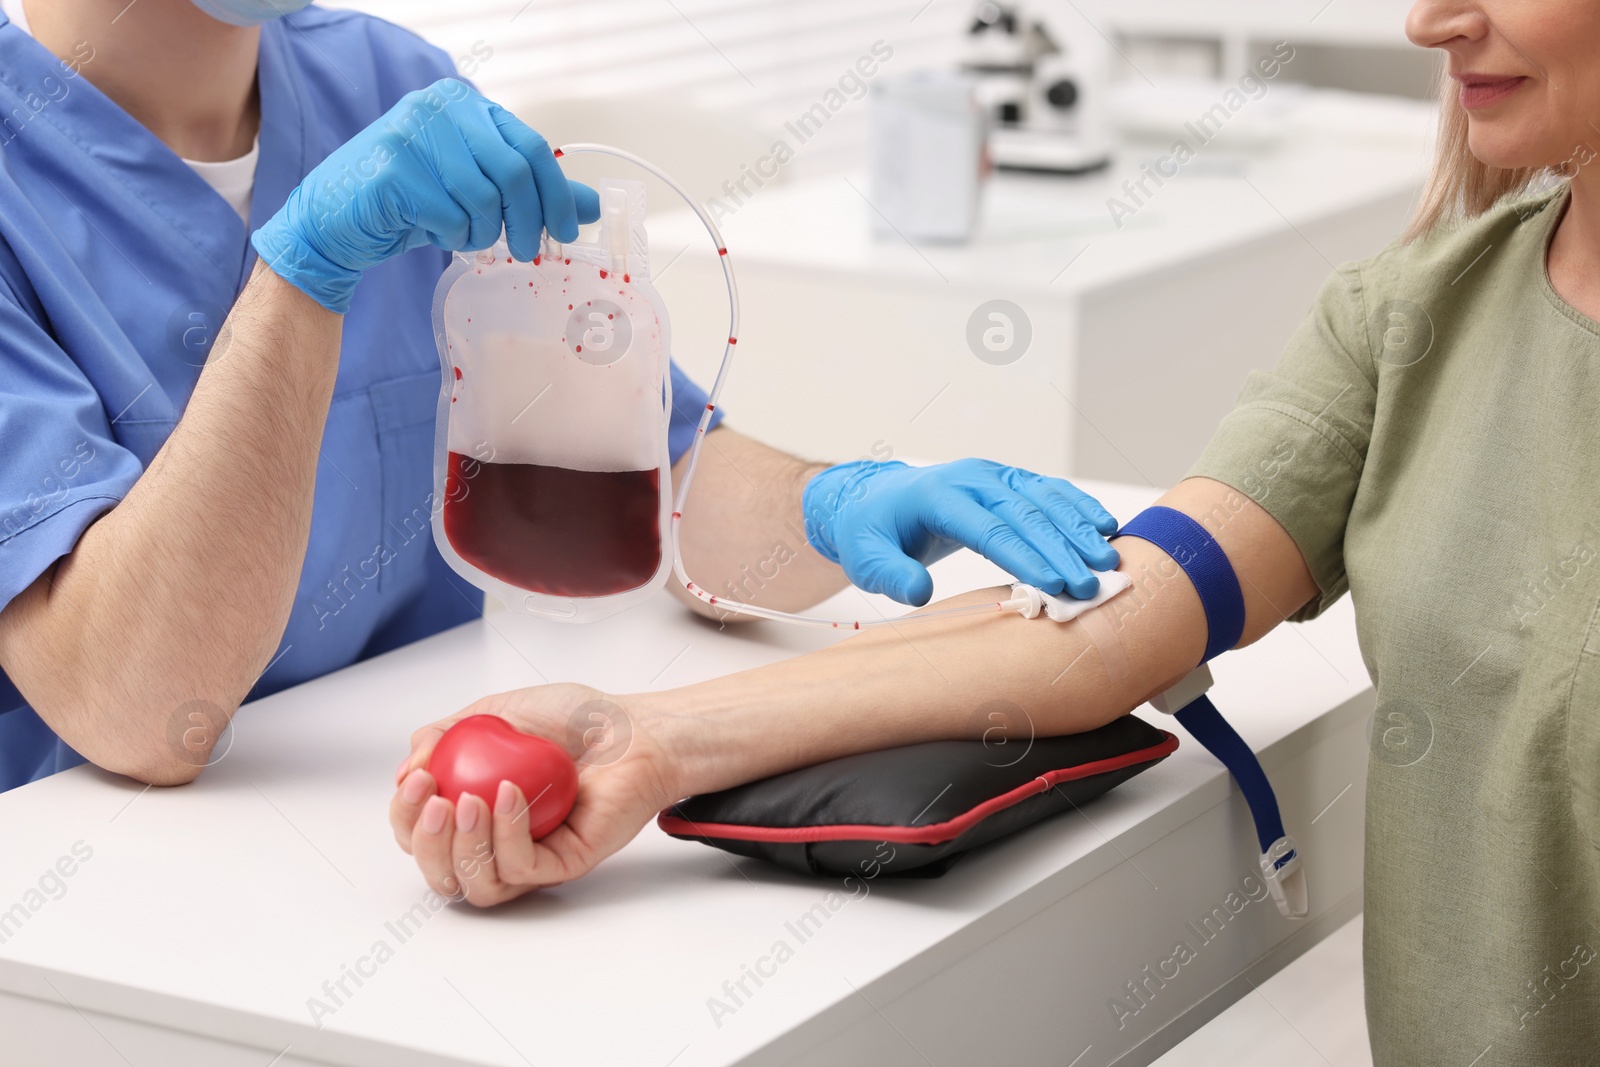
x=938, y=679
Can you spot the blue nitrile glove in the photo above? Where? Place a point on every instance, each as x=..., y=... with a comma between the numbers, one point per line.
x=444, y=167
x=885, y=522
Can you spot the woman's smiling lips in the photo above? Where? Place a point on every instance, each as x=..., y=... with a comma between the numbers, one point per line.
x=1482, y=90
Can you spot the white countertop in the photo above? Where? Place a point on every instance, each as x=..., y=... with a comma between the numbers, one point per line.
x=221, y=908
x=1055, y=234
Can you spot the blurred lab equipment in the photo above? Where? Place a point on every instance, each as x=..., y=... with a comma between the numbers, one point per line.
x=926, y=156
x=1045, y=91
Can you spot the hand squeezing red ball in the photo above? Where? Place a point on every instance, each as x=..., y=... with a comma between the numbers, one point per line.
x=479, y=752
x=509, y=837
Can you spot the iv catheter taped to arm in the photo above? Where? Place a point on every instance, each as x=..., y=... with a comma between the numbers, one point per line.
x=1031, y=601
x=1193, y=548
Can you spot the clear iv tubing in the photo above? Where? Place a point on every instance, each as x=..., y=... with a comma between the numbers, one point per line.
x=1028, y=603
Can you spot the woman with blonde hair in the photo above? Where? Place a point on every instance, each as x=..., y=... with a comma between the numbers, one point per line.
x=1421, y=444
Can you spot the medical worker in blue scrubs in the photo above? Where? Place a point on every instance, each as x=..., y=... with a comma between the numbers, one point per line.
x=221, y=223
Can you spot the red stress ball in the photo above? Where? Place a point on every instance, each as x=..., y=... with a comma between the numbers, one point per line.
x=479, y=752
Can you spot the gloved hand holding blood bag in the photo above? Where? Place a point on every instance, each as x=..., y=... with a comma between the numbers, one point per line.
x=551, y=457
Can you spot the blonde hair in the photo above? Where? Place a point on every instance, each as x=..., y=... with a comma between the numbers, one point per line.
x=1461, y=186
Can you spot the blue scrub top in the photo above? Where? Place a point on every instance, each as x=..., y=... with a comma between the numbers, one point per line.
x=117, y=265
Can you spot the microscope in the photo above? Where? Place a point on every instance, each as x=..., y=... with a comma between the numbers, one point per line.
x=1045, y=93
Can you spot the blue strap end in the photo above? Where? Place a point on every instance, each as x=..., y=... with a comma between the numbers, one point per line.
x=1202, y=559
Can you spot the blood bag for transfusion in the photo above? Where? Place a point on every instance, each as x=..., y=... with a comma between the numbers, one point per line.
x=552, y=476
x=551, y=468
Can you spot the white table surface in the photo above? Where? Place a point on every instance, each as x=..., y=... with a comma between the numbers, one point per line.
x=220, y=908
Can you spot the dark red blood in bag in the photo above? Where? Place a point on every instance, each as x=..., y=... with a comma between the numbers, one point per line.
x=552, y=529
x=481, y=751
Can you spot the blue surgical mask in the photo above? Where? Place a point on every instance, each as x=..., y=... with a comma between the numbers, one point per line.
x=249, y=12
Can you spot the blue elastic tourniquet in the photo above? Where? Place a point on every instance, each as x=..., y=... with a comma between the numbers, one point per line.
x=1202, y=559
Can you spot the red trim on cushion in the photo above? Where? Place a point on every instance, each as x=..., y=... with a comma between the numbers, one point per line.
x=932, y=834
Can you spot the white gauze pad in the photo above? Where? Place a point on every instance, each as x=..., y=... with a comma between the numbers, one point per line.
x=1065, y=609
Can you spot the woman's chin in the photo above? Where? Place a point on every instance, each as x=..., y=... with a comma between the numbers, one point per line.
x=1506, y=150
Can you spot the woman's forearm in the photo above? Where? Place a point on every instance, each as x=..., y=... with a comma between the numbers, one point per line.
x=948, y=678
x=934, y=680
x=177, y=597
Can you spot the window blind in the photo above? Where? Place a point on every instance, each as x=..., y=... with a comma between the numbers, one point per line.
x=771, y=60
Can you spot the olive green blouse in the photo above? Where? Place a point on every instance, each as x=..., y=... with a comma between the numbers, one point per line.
x=1431, y=441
